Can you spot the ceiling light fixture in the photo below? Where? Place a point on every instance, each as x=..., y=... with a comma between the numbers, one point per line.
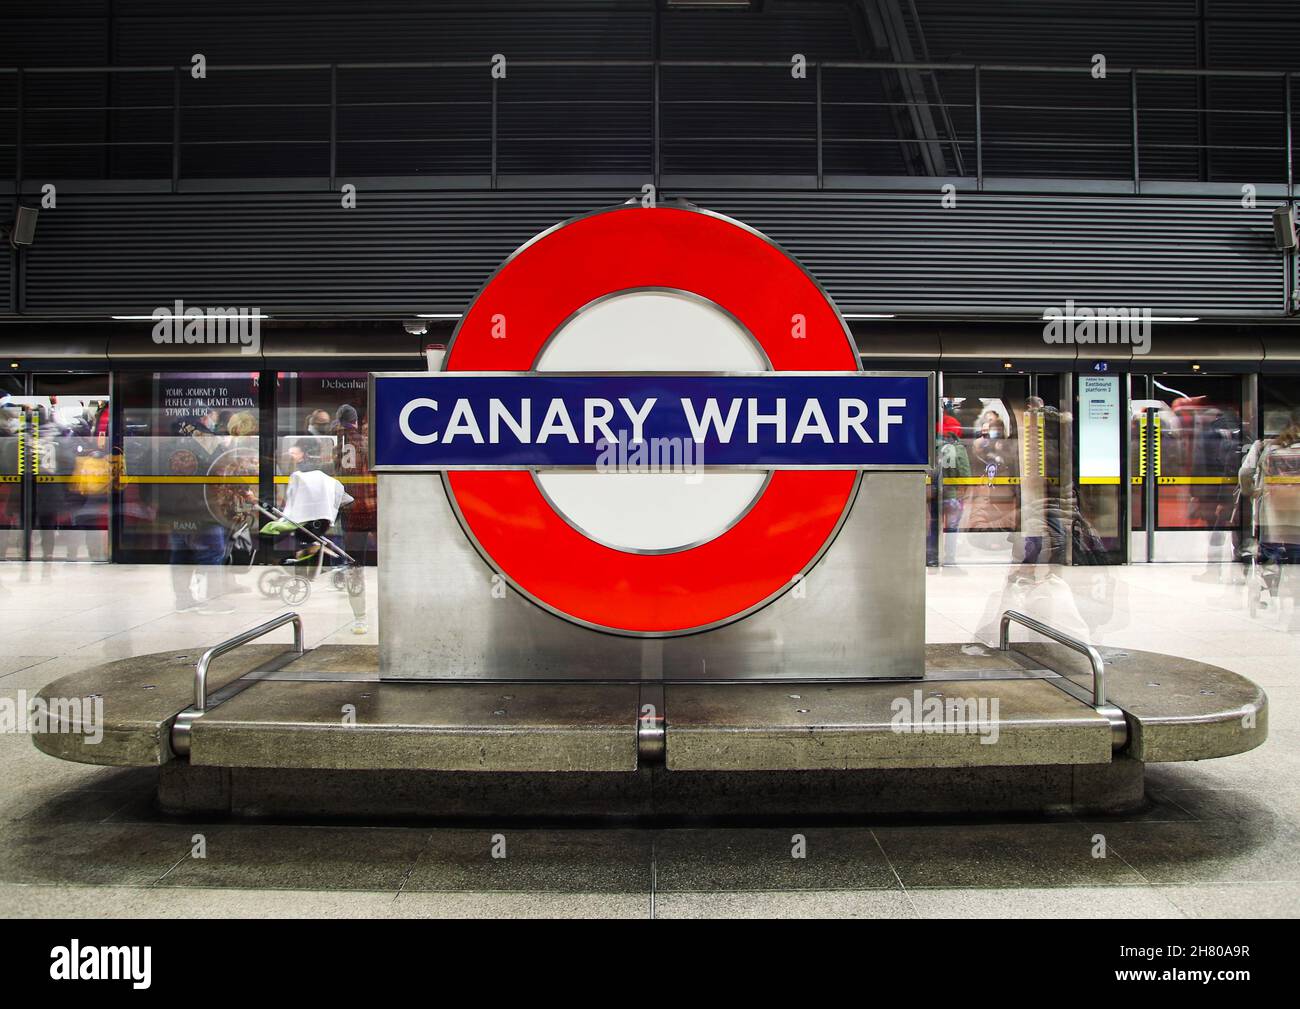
x=170, y=316
x=1135, y=318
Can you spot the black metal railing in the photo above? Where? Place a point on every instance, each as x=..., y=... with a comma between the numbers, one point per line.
x=580, y=119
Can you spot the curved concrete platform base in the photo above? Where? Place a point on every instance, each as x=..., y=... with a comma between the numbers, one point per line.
x=981, y=730
x=652, y=792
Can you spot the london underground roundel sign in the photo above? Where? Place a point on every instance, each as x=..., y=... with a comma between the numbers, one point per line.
x=651, y=421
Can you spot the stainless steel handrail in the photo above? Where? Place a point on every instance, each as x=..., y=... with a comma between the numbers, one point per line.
x=230, y=644
x=1094, y=656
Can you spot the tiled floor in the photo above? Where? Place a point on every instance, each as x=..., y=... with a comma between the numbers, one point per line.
x=1221, y=838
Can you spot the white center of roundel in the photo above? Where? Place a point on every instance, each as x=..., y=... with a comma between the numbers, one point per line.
x=657, y=331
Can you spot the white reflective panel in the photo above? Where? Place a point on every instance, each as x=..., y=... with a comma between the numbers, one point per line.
x=652, y=512
x=652, y=331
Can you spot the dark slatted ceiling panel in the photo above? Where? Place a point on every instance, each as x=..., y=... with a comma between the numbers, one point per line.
x=386, y=8
x=6, y=260
x=1269, y=10
x=33, y=34
x=588, y=120
x=574, y=119
x=8, y=120
x=395, y=252
x=819, y=30
x=429, y=252
x=376, y=35
x=1254, y=45
x=68, y=33
x=1054, y=125
x=397, y=122
x=1027, y=253
x=1155, y=33
x=1238, y=34
x=1055, y=9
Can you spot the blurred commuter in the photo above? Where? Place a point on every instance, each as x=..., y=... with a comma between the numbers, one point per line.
x=954, y=465
x=1267, y=477
x=353, y=465
x=197, y=542
x=1041, y=512
x=993, y=457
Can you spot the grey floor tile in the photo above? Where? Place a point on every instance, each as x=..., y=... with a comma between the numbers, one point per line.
x=19, y=798
x=32, y=678
x=1220, y=851
x=1037, y=902
x=76, y=806
x=94, y=853
x=558, y=861
x=138, y=808
x=1237, y=900
x=1232, y=804
x=1160, y=808
x=301, y=858
x=1001, y=855
x=22, y=762
x=122, y=779
x=737, y=859
x=15, y=663
x=450, y=904
x=785, y=904
x=1219, y=841
x=164, y=902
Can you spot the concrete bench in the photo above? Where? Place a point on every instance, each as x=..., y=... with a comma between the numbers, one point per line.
x=327, y=712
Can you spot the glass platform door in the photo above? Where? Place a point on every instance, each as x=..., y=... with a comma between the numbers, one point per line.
x=56, y=468
x=1185, y=450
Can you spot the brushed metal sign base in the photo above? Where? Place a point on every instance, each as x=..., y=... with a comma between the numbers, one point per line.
x=445, y=613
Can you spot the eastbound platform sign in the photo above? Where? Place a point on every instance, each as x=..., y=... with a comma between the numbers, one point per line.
x=544, y=420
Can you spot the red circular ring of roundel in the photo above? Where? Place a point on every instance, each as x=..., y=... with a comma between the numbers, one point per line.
x=785, y=531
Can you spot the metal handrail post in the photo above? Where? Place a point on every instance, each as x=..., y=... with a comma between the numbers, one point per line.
x=230, y=644
x=1094, y=656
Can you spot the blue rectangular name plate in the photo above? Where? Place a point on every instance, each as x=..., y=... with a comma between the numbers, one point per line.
x=511, y=420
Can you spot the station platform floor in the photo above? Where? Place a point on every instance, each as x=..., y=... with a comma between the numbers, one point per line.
x=1219, y=838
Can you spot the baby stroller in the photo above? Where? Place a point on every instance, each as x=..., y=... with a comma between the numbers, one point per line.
x=292, y=583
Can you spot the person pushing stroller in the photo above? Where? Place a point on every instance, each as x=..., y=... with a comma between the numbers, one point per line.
x=312, y=502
